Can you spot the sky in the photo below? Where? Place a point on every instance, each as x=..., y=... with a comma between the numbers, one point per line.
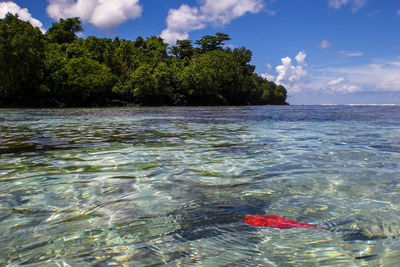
x=322, y=51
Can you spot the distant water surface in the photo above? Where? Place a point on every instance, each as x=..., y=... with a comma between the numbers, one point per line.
x=170, y=186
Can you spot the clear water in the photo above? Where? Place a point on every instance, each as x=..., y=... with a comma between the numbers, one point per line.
x=170, y=186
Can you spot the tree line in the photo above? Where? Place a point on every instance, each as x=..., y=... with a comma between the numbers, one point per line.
x=57, y=68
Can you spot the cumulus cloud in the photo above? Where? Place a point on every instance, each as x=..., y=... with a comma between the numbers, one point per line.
x=23, y=13
x=336, y=82
x=289, y=75
x=380, y=76
x=386, y=76
x=301, y=57
x=363, y=83
x=324, y=44
x=225, y=11
x=355, y=4
x=378, y=82
x=351, y=53
x=185, y=19
x=180, y=21
x=341, y=86
x=104, y=14
x=268, y=76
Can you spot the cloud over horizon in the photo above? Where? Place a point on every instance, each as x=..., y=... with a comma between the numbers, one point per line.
x=341, y=86
x=288, y=74
x=380, y=77
x=23, y=13
x=104, y=14
x=185, y=19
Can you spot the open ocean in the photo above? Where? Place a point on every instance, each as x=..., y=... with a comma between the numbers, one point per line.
x=171, y=185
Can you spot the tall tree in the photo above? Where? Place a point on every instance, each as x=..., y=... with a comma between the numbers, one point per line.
x=209, y=43
x=183, y=49
x=21, y=58
x=64, y=31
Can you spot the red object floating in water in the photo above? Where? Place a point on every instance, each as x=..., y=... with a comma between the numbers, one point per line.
x=277, y=222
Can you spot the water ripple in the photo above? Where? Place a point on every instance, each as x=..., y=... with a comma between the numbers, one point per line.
x=170, y=186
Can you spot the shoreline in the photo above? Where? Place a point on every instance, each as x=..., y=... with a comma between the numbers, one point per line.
x=121, y=104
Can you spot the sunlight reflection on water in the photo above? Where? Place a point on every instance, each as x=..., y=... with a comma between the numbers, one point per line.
x=148, y=186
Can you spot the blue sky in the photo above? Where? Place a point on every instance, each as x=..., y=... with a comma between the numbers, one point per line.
x=323, y=51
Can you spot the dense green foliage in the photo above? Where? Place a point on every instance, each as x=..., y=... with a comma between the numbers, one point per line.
x=21, y=59
x=59, y=69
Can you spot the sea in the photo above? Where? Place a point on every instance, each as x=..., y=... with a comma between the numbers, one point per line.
x=170, y=186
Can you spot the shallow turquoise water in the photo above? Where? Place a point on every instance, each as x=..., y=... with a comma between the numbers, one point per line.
x=170, y=186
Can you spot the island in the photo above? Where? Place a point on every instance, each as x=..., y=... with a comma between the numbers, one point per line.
x=59, y=69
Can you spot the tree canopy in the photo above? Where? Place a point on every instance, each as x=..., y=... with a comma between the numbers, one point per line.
x=21, y=59
x=60, y=69
x=64, y=31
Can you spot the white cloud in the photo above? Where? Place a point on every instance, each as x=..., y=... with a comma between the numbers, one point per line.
x=289, y=75
x=170, y=37
x=355, y=4
x=337, y=3
x=341, y=86
x=180, y=21
x=386, y=76
x=185, y=19
x=268, y=76
x=378, y=82
x=351, y=53
x=102, y=13
x=336, y=82
x=23, y=13
x=301, y=57
x=324, y=44
x=398, y=12
x=380, y=76
x=225, y=11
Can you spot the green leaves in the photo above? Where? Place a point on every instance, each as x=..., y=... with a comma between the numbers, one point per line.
x=209, y=43
x=64, y=31
x=21, y=58
x=86, y=78
x=74, y=76
x=183, y=49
